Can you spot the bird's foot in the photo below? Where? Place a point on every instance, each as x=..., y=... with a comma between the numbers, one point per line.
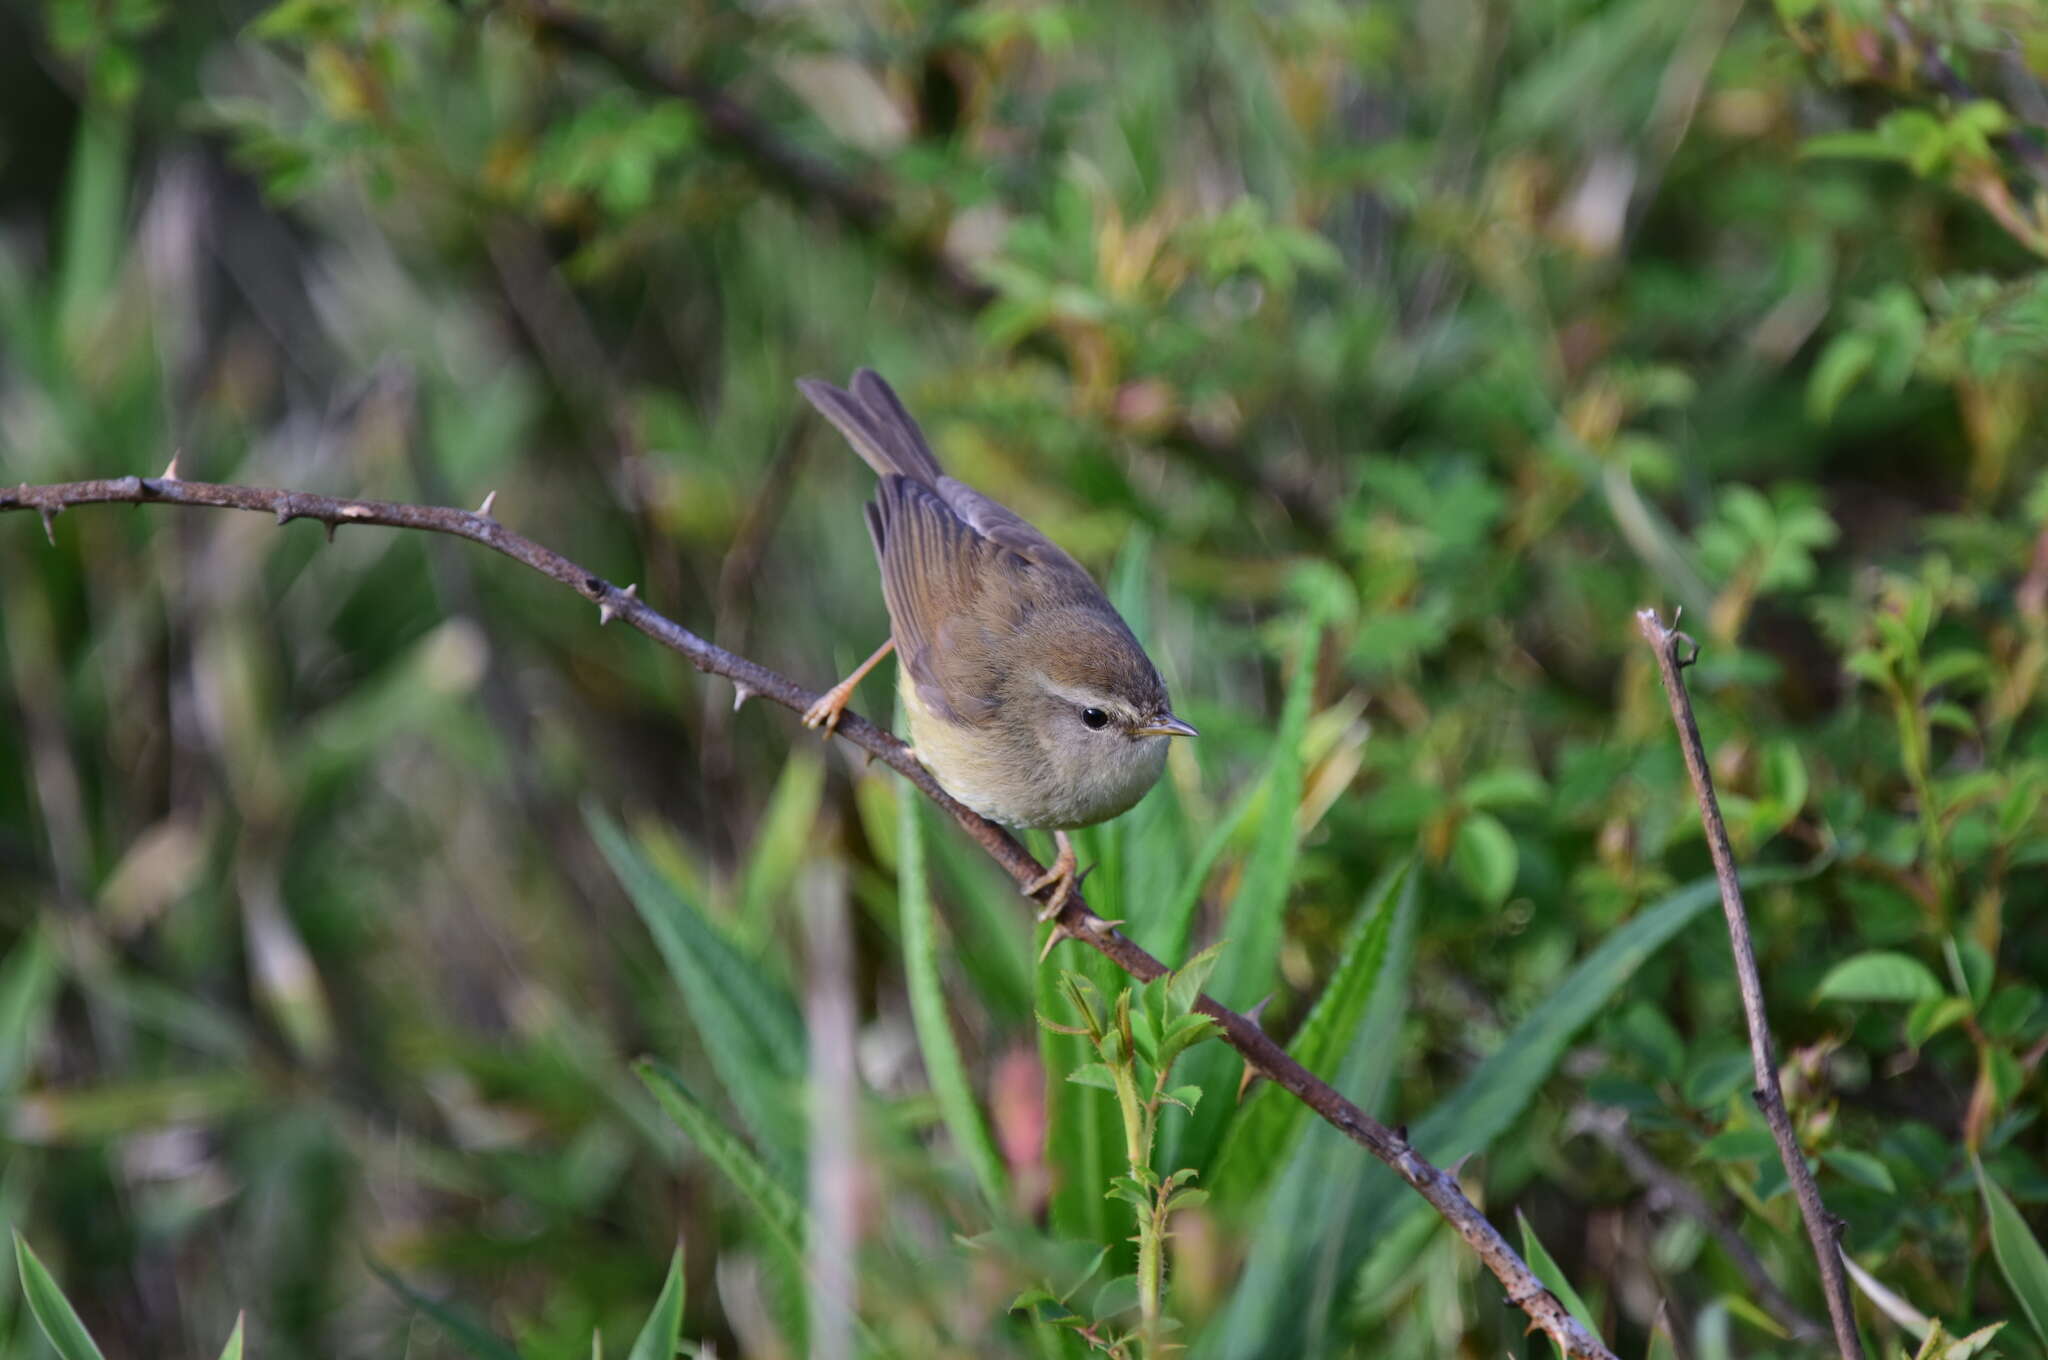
x=832, y=703
x=825, y=713
x=1061, y=878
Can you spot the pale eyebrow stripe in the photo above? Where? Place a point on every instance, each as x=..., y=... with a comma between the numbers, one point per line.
x=1081, y=697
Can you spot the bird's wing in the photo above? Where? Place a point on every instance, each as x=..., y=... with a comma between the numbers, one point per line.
x=1006, y=528
x=952, y=595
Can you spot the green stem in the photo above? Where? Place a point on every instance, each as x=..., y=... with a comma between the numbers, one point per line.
x=1138, y=1148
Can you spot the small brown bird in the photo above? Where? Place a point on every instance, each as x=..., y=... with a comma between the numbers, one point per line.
x=1029, y=700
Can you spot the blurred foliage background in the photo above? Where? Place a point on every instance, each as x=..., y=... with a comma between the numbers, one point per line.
x=1382, y=358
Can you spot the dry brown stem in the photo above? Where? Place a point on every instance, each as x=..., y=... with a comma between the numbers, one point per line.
x=1822, y=1227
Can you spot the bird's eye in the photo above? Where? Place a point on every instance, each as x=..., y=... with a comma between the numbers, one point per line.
x=1094, y=717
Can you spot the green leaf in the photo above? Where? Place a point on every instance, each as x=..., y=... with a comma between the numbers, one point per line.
x=1662, y=1346
x=1262, y=1137
x=1485, y=857
x=773, y=1202
x=1717, y=1075
x=943, y=1065
x=1862, y=1168
x=1842, y=365
x=233, y=1349
x=1740, y=1145
x=1548, y=1271
x=1879, y=975
x=2010, y=1012
x=747, y=1023
x=1970, y=968
x=473, y=1337
x=665, y=1324
x=2020, y=1258
x=1184, y=986
x=1508, y=786
x=1093, y=1074
x=1930, y=1017
x=51, y=1310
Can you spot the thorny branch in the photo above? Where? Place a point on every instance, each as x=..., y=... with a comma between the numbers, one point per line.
x=1075, y=921
x=1823, y=1228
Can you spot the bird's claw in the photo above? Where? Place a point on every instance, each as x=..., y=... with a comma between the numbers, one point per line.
x=831, y=705
x=1061, y=878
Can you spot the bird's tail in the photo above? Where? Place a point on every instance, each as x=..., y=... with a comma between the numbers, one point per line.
x=875, y=423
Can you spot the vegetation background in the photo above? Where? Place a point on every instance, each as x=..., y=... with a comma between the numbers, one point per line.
x=1382, y=357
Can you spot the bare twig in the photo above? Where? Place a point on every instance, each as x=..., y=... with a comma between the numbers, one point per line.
x=1610, y=1126
x=1822, y=1227
x=1242, y=1033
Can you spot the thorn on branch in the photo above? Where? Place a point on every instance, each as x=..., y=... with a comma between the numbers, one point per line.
x=49, y=514
x=740, y=695
x=610, y=610
x=484, y=511
x=1059, y=932
x=170, y=472
x=285, y=513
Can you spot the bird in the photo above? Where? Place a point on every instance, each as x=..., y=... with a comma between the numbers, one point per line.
x=1029, y=699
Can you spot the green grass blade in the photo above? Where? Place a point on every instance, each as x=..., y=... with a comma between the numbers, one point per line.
x=51, y=1310
x=233, y=1350
x=1254, y=925
x=1552, y=1275
x=1299, y=1279
x=94, y=217
x=1261, y=1137
x=28, y=990
x=2020, y=1258
x=665, y=1324
x=1083, y=1139
x=473, y=1337
x=1493, y=1097
x=1166, y=932
x=748, y=1024
x=942, y=1064
x=780, y=843
x=1141, y=853
x=773, y=1201
x=991, y=925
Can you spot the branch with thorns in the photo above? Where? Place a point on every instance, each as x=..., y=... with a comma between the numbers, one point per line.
x=1075, y=920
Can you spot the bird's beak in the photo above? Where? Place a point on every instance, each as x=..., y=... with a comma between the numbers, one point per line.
x=1166, y=725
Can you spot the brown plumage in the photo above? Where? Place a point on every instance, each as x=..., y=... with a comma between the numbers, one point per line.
x=1028, y=697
